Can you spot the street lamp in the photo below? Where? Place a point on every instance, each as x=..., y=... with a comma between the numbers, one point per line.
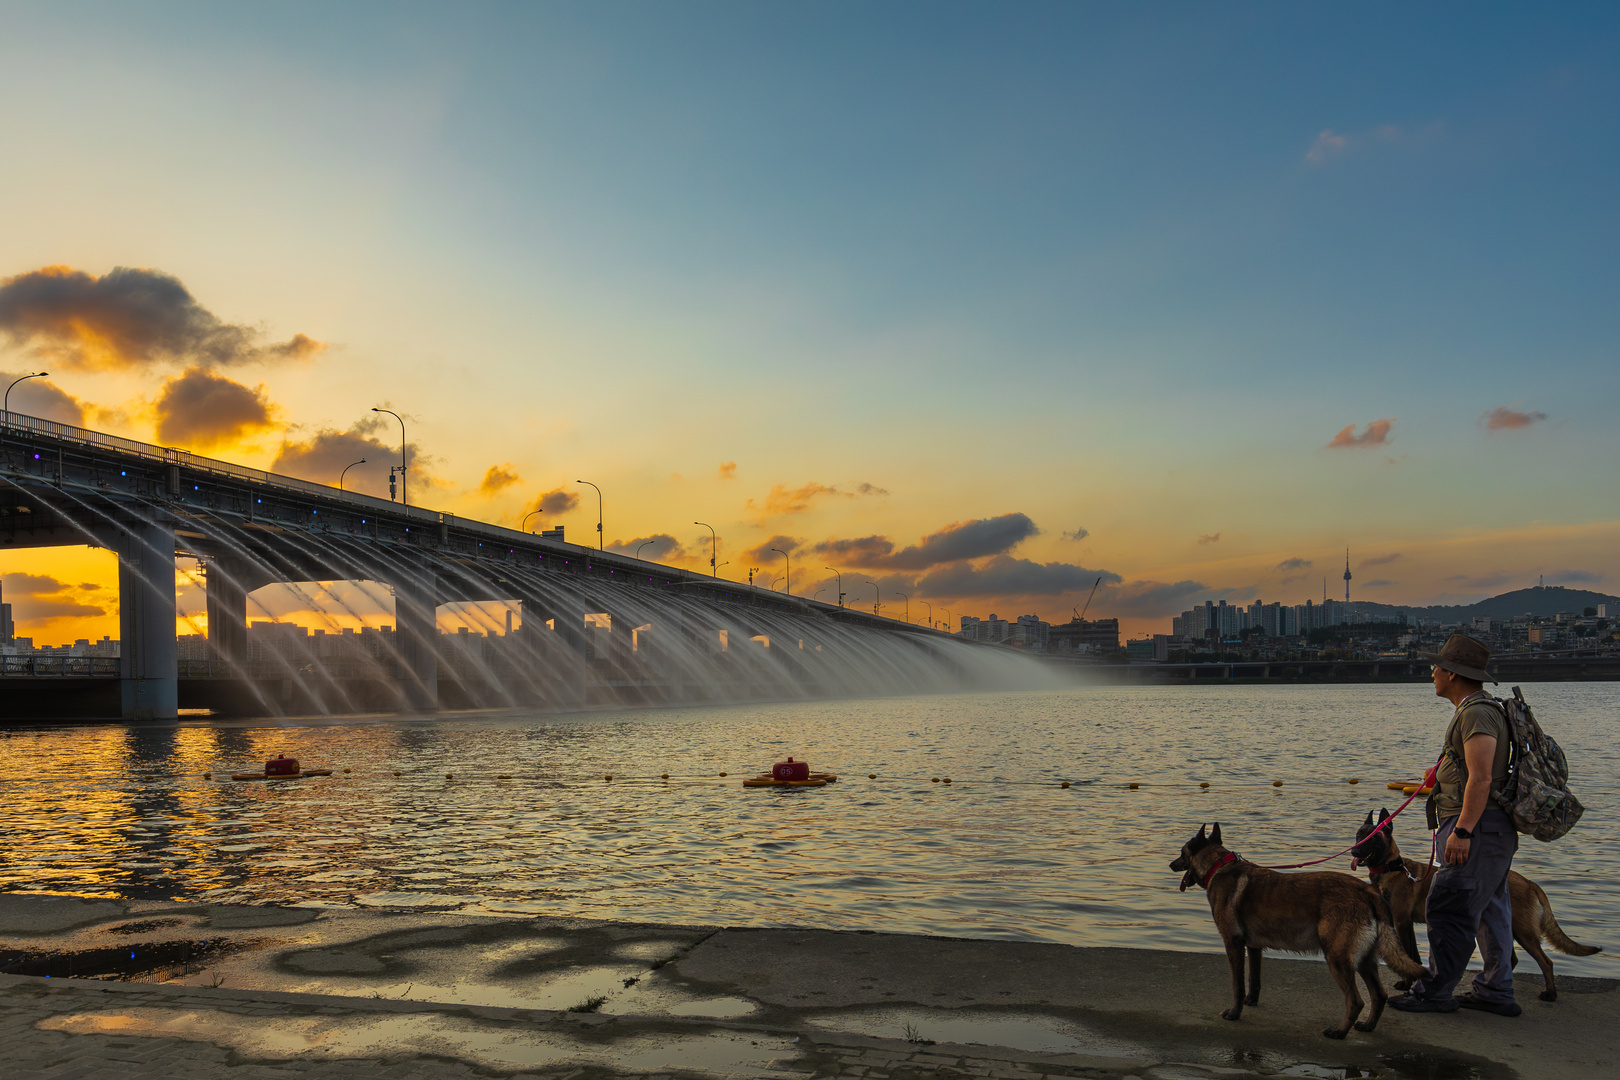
x=789, y=589
x=404, y=491
x=947, y=612
x=840, y=578
x=714, y=551
x=774, y=580
x=878, y=603
x=526, y=518
x=599, y=542
x=930, y=615
x=907, y=599
x=345, y=472
x=643, y=544
x=25, y=378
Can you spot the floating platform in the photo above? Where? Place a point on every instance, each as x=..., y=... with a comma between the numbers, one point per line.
x=817, y=779
x=280, y=776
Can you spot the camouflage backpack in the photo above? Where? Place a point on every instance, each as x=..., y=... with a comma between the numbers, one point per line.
x=1536, y=795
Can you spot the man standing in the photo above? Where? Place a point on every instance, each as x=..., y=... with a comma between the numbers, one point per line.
x=1468, y=900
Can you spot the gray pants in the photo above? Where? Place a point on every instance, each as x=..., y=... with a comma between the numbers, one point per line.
x=1469, y=904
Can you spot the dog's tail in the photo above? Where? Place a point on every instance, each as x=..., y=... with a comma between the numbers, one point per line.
x=1551, y=932
x=1390, y=949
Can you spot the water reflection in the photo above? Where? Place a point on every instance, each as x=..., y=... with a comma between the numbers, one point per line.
x=1001, y=852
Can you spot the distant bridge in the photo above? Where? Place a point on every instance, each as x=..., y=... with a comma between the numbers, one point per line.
x=62, y=485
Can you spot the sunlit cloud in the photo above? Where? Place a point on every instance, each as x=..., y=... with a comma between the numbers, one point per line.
x=727, y=470
x=44, y=399
x=763, y=553
x=783, y=500
x=201, y=410
x=1374, y=434
x=1503, y=418
x=556, y=501
x=659, y=547
x=128, y=318
x=497, y=479
x=1076, y=534
x=1005, y=576
x=42, y=597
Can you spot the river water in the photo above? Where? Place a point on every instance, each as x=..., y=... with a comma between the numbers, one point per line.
x=1002, y=851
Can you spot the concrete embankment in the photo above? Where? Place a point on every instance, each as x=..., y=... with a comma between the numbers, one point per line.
x=140, y=988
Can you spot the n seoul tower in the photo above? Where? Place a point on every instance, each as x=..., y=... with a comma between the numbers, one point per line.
x=1346, y=575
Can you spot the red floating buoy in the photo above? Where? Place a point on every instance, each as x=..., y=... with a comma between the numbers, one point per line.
x=791, y=770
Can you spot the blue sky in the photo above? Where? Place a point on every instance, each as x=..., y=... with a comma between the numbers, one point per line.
x=1122, y=269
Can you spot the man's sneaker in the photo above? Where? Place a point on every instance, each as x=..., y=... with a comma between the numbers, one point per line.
x=1500, y=1008
x=1409, y=1003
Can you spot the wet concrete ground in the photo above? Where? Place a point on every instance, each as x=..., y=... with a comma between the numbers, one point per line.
x=146, y=988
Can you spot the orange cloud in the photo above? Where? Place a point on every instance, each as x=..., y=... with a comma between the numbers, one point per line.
x=1374, y=434
x=783, y=501
x=128, y=318
x=202, y=410
x=1503, y=418
x=44, y=399
x=497, y=479
x=728, y=470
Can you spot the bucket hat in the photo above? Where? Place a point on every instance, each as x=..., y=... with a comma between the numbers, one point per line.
x=1468, y=657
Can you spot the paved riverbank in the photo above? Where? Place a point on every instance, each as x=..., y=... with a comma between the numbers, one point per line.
x=251, y=992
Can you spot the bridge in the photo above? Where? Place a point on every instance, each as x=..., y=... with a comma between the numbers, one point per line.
x=676, y=629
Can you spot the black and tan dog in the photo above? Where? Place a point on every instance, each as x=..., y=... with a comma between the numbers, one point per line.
x=1344, y=919
x=1405, y=884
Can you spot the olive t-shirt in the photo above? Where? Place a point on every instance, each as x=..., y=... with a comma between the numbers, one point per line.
x=1478, y=716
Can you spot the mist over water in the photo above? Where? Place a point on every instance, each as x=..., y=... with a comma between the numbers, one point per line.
x=1000, y=852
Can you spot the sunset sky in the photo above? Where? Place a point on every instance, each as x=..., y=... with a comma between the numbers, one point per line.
x=979, y=302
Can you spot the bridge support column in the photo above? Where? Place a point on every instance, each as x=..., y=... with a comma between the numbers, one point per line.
x=227, y=591
x=148, y=687
x=416, y=633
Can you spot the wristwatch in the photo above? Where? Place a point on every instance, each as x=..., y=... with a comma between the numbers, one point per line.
x=1461, y=833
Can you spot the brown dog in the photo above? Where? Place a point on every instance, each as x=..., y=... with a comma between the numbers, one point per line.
x=1405, y=884
x=1334, y=914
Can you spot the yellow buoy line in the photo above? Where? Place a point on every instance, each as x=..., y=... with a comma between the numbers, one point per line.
x=1406, y=787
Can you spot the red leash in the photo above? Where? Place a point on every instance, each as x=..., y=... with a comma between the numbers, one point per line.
x=1428, y=781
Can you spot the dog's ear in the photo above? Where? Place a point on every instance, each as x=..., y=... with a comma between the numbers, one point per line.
x=1368, y=823
x=1202, y=832
x=1215, y=834
x=1383, y=815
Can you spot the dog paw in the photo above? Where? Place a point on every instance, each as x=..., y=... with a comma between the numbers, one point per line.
x=1231, y=1014
x=1549, y=995
x=1362, y=1025
x=1404, y=984
x=1335, y=1033
x=1252, y=999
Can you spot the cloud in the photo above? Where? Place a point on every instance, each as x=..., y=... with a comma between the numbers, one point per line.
x=1209, y=538
x=1381, y=560
x=556, y=501
x=44, y=399
x=1579, y=577
x=783, y=500
x=128, y=318
x=40, y=596
x=1380, y=583
x=1077, y=534
x=1147, y=599
x=1293, y=564
x=761, y=553
x=861, y=551
x=728, y=470
x=1503, y=418
x=661, y=547
x=958, y=541
x=1005, y=576
x=1330, y=144
x=497, y=479
x=200, y=410
x=1374, y=434
x=324, y=455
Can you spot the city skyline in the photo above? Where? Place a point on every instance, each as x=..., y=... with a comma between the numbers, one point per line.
x=977, y=305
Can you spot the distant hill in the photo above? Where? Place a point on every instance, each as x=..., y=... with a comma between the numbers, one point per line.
x=1537, y=600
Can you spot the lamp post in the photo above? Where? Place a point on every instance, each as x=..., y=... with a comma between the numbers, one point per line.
x=947, y=612
x=599, y=541
x=714, y=552
x=774, y=580
x=345, y=471
x=526, y=518
x=789, y=588
x=404, y=490
x=930, y=615
x=907, y=599
x=643, y=544
x=840, y=578
x=25, y=378
x=878, y=603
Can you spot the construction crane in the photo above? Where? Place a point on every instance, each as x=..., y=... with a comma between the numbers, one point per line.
x=1080, y=616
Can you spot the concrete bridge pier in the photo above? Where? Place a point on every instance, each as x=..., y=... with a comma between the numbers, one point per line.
x=148, y=688
x=416, y=636
x=228, y=582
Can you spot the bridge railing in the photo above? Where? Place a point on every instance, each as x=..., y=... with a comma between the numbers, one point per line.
x=58, y=666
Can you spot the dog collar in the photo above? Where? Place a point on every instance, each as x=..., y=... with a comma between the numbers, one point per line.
x=1390, y=867
x=1225, y=860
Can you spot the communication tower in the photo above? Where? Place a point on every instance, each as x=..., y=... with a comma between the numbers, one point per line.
x=1346, y=575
